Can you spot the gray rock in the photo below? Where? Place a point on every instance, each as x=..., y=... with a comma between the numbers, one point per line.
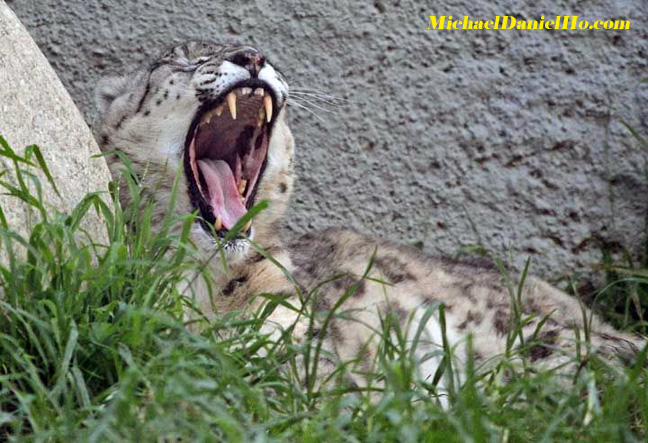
x=36, y=109
x=513, y=134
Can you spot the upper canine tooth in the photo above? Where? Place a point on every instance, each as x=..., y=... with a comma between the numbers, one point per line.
x=218, y=224
x=219, y=109
x=246, y=91
x=267, y=104
x=241, y=186
x=259, y=92
x=231, y=104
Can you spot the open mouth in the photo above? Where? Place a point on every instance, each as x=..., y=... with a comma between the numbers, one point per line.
x=226, y=151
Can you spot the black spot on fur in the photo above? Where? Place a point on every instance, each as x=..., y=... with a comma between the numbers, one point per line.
x=206, y=82
x=428, y=299
x=147, y=113
x=322, y=304
x=364, y=357
x=309, y=251
x=178, y=96
x=400, y=313
x=467, y=290
x=471, y=318
x=543, y=348
x=233, y=284
x=166, y=94
x=171, y=82
x=105, y=139
x=283, y=188
x=361, y=290
x=121, y=122
x=501, y=322
x=395, y=270
x=258, y=258
x=146, y=93
x=619, y=347
x=349, y=283
x=158, y=102
x=335, y=333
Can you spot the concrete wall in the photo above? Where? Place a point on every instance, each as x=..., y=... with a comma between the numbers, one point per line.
x=511, y=138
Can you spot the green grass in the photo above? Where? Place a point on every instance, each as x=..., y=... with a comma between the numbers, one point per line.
x=94, y=347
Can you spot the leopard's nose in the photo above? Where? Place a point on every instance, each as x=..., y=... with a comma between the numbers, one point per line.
x=250, y=59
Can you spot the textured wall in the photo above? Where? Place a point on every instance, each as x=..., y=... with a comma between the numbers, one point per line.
x=514, y=134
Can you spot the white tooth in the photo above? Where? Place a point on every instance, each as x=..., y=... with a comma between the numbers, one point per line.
x=206, y=118
x=247, y=226
x=231, y=104
x=259, y=92
x=219, y=109
x=261, y=117
x=218, y=225
x=241, y=186
x=246, y=91
x=267, y=104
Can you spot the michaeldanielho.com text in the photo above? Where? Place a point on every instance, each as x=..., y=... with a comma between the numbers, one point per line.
x=510, y=22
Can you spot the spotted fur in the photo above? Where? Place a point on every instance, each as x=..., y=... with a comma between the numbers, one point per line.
x=146, y=115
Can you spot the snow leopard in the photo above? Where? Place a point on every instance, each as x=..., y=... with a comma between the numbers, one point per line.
x=211, y=117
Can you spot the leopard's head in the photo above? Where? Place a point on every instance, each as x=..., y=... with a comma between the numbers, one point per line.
x=216, y=112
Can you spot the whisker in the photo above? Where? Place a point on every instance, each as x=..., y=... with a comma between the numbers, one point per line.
x=318, y=94
x=317, y=97
x=291, y=102
x=302, y=100
x=315, y=91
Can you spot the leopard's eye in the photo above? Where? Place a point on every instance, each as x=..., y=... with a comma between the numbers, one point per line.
x=201, y=60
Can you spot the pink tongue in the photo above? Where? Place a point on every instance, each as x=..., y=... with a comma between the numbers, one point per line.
x=223, y=195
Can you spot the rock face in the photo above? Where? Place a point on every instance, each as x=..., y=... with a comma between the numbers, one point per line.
x=512, y=138
x=36, y=109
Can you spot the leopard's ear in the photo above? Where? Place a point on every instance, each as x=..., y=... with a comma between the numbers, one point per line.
x=108, y=90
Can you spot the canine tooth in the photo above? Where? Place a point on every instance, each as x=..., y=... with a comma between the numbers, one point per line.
x=261, y=117
x=219, y=109
x=246, y=91
x=218, y=224
x=267, y=104
x=206, y=118
x=241, y=186
x=231, y=104
x=247, y=226
x=259, y=92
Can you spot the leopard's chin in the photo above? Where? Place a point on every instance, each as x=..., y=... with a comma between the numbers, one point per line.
x=225, y=157
x=211, y=246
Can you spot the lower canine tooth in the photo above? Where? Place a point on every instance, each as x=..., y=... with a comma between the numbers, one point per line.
x=247, y=226
x=218, y=225
x=261, y=117
x=241, y=186
x=267, y=104
x=231, y=104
